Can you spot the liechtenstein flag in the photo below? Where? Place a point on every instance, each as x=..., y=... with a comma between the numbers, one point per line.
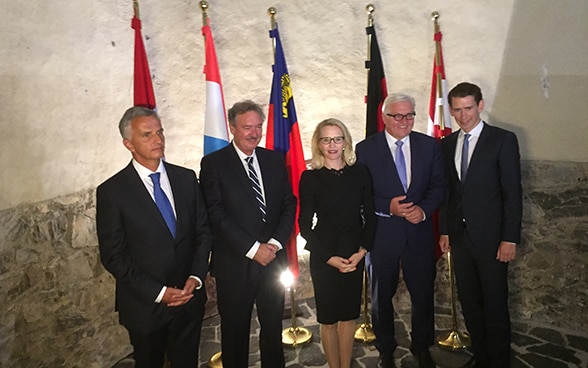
x=283, y=135
x=216, y=135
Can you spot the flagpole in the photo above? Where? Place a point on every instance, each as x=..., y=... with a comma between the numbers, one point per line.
x=293, y=335
x=435, y=17
x=364, y=332
x=272, y=14
x=453, y=339
x=370, y=8
x=216, y=359
x=204, y=8
x=136, y=8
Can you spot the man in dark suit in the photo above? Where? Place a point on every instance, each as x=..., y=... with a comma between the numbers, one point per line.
x=158, y=258
x=251, y=223
x=409, y=184
x=481, y=222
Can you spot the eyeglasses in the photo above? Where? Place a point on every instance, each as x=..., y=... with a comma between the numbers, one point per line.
x=327, y=140
x=398, y=117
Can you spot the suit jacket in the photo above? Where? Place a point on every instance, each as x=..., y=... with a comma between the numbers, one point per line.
x=489, y=202
x=426, y=190
x=234, y=212
x=137, y=247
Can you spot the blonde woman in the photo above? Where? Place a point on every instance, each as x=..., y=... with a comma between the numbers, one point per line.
x=337, y=193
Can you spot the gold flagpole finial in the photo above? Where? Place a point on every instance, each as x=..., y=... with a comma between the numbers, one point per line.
x=204, y=8
x=435, y=18
x=370, y=9
x=272, y=13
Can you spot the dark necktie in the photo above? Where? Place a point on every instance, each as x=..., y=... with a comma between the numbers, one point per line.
x=163, y=204
x=464, y=156
x=401, y=164
x=256, y=186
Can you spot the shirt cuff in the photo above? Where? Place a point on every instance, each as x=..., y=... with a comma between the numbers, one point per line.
x=160, y=296
x=253, y=250
x=200, y=283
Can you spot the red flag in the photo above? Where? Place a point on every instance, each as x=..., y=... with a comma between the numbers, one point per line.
x=439, y=118
x=283, y=135
x=377, y=90
x=143, y=91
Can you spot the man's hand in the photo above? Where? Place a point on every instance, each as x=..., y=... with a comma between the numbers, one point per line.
x=444, y=243
x=174, y=297
x=506, y=251
x=411, y=212
x=265, y=254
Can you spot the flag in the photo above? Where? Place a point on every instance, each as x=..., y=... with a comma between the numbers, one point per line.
x=283, y=135
x=216, y=135
x=376, y=90
x=143, y=88
x=439, y=119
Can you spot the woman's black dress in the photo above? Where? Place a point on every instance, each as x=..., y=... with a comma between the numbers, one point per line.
x=341, y=203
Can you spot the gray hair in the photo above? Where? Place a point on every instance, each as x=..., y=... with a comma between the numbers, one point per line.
x=243, y=107
x=397, y=97
x=124, y=126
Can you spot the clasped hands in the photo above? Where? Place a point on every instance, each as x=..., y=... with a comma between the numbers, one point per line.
x=345, y=265
x=174, y=297
x=411, y=212
x=266, y=253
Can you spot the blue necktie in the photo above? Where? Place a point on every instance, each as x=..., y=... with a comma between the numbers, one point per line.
x=464, y=156
x=163, y=204
x=401, y=164
x=256, y=186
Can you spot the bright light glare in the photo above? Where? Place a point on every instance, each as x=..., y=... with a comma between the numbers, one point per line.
x=287, y=278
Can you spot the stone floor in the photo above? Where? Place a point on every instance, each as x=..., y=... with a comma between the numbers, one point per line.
x=533, y=345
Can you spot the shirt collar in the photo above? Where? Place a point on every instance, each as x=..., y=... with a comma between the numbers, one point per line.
x=145, y=172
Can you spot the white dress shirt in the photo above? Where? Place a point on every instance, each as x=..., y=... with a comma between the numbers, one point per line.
x=474, y=136
x=242, y=157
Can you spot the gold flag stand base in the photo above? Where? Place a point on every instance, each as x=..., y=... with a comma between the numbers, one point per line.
x=216, y=361
x=454, y=340
x=295, y=336
x=365, y=333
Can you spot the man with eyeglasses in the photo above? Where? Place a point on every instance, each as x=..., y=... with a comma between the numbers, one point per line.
x=409, y=185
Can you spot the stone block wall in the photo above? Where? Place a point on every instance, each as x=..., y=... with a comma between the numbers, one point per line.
x=57, y=300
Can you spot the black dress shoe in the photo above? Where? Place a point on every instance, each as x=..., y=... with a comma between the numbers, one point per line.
x=386, y=361
x=425, y=359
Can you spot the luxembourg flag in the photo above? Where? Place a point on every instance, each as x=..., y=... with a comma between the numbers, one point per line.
x=439, y=118
x=216, y=135
x=283, y=135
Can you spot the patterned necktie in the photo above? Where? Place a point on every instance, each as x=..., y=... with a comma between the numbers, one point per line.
x=464, y=156
x=163, y=204
x=401, y=164
x=256, y=186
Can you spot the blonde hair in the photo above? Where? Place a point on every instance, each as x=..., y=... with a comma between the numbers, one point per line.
x=318, y=160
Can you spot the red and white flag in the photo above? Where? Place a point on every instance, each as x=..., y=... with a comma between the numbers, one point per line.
x=439, y=118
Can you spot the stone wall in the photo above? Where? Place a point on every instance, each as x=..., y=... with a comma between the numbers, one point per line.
x=57, y=299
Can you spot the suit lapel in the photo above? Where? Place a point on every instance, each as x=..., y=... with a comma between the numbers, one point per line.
x=484, y=141
x=452, y=142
